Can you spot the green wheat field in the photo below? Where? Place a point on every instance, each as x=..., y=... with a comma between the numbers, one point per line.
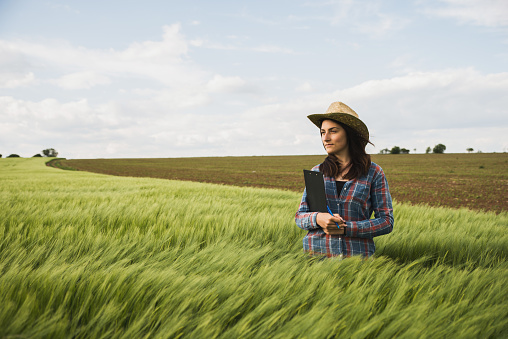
x=86, y=255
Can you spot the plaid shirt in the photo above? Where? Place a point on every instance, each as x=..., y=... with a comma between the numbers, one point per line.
x=355, y=204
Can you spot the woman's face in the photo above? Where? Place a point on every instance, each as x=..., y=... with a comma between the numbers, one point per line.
x=334, y=138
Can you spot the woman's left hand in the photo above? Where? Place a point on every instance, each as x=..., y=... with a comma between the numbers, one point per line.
x=329, y=223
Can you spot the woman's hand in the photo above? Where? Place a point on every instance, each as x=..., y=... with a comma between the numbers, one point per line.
x=328, y=223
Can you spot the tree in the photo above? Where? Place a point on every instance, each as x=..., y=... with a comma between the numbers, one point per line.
x=384, y=151
x=427, y=151
x=439, y=148
x=0, y=155
x=395, y=150
x=37, y=155
x=404, y=151
x=13, y=156
x=469, y=150
x=50, y=152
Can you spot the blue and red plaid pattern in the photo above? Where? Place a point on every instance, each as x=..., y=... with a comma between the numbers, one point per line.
x=356, y=202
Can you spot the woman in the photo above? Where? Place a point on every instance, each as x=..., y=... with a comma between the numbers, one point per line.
x=355, y=187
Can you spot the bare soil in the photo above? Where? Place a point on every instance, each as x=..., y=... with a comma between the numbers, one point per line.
x=476, y=181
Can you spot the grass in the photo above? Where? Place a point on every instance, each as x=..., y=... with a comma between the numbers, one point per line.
x=476, y=181
x=89, y=256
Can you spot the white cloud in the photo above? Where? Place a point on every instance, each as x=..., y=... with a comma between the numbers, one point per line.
x=174, y=107
x=169, y=100
x=82, y=80
x=456, y=140
x=14, y=80
x=490, y=13
x=416, y=110
x=163, y=61
x=50, y=115
x=225, y=84
x=172, y=47
x=74, y=128
x=426, y=108
x=425, y=100
x=459, y=139
x=15, y=69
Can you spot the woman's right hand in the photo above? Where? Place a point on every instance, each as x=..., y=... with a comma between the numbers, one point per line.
x=328, y=223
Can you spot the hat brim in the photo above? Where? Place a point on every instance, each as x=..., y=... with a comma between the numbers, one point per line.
x=344, y=118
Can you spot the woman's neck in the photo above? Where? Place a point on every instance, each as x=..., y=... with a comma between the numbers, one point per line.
x=345, y=163
x=344, y=158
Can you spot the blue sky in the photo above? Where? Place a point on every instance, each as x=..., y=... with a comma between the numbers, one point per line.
x=108, y=79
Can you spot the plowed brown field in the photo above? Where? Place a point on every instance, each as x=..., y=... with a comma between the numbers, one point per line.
x=477, y=181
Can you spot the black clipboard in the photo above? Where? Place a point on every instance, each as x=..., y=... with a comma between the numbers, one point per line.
x=315, y=185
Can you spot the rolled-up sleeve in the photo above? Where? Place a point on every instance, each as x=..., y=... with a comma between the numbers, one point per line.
x=381, y=205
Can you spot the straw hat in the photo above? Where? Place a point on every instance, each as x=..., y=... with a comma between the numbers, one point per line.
x=342, y=113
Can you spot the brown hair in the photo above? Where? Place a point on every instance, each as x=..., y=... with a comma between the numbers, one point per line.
x=360, y=160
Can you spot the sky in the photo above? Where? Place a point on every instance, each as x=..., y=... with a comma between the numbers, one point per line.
x=157, y=79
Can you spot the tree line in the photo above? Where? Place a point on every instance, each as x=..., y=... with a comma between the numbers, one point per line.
x=48, y=152
x=438, y=149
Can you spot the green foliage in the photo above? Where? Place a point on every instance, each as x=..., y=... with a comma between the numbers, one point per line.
x=469, y=150
x=439, y=148
x=13, y=156
x=50, y=152
x=90, y=255
x=395, y=150
x=37, y=155
x=427, y=151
